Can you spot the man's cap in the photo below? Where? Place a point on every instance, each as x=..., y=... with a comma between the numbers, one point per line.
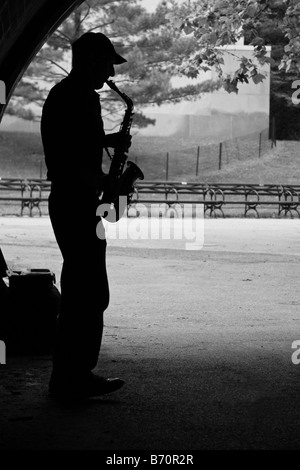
x=98, y=43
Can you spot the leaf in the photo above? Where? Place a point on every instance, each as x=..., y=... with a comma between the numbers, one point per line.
x=177, y=24
x=221, y=4
x=199, y=21
x=192, y=73
x=188, y=29
x=205, y=68
x=270, y=60
x=241, y=77
x=258, y=78
x=230, y=85
x=213, y=38
x=205, y=37
x=251, y=11
x=257, y=41
x=281, y=65
x=289, y=65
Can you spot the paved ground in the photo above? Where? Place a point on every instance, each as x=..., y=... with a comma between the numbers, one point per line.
x=202, y=338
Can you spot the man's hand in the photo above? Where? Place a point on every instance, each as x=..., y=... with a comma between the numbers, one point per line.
x=105, y=182
x=102, y=181
x=118, y=140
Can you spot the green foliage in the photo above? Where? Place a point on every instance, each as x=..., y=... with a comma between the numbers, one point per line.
x=153, y=48
x=215, y=23
x=262, y=23
x=184, y=38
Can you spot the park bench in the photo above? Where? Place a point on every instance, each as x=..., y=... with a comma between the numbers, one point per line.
x=215, y=198
x=30, y=193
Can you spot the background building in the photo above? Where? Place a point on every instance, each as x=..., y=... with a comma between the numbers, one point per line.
x=218, y=115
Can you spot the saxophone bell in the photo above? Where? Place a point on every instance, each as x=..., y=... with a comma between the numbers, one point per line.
x=118, y=196
x=113, y=209
x=129, y=177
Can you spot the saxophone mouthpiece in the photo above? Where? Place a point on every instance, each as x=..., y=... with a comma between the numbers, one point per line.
x=111, y=84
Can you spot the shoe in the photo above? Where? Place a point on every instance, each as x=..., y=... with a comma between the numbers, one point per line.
x=91, y=386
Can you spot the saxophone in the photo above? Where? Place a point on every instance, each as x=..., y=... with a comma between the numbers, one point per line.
x=115, y=198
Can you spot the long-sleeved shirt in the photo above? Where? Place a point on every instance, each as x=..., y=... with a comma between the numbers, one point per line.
x=72, y=133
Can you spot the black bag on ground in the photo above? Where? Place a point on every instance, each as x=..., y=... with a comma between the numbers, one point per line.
x=29, y=310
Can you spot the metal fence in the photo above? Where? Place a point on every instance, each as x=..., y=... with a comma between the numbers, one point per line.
x=190, y=162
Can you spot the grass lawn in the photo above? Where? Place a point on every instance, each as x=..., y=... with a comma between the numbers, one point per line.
x=21, y=156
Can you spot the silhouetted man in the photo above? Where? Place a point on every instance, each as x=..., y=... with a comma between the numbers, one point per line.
x=73, y=140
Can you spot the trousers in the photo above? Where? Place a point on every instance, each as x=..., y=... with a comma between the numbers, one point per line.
x=84, y=282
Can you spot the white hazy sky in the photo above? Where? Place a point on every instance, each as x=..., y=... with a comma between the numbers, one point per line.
x=150, y=4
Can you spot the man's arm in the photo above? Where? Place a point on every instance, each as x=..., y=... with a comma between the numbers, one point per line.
x=117, y=139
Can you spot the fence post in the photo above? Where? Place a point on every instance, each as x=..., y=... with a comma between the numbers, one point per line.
x=197, y=164
x=259, y=144
x=167, y=166
x=273, y=132
x=220, y=156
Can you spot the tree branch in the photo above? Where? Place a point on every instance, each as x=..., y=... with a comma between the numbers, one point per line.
x=55, y=63
x=100, y=26
x=87, y=13
x=65, y=36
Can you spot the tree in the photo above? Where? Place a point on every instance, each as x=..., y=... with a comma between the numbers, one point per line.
x=215, y=23
x=152, y=47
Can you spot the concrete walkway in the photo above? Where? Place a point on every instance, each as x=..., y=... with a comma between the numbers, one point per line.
x=202, y=337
